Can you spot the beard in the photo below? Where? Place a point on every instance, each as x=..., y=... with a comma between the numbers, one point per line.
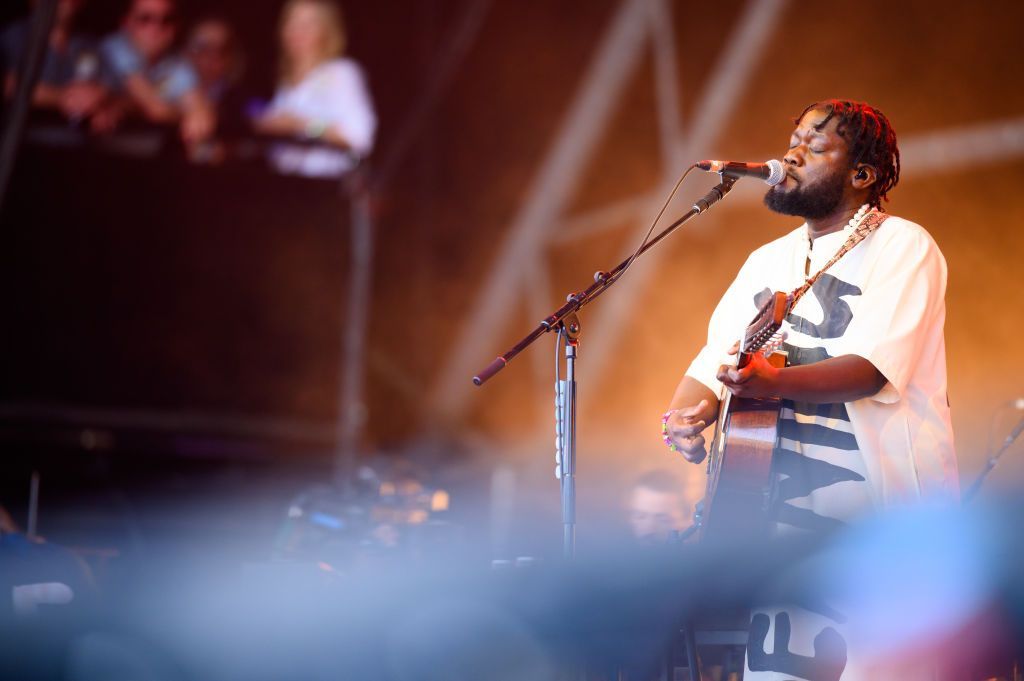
x=812, y=201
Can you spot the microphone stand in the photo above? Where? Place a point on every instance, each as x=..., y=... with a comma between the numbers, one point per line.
x=992, y=461
x=566, y=322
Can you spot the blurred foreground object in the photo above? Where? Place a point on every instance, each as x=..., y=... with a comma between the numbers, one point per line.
x=372, y=518
x=656, y=507
x=923, y=589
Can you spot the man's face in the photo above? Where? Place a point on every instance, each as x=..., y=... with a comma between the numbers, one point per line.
x=208, y=50
x=817, y=170
x=151, y=25
x=653, y=514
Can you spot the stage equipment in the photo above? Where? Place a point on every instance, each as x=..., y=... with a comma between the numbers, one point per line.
x=372, y=518
x=565, y=321
x=993, y=459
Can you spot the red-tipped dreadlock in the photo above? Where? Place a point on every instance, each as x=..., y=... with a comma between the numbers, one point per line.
x=870, y=139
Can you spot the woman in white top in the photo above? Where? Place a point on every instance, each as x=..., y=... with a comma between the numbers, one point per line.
x=320, y=95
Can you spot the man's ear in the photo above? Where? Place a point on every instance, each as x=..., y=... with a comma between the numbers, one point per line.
x=864, y=177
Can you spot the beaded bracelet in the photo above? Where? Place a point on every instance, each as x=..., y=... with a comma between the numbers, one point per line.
x=664, y=430
x=315, y=129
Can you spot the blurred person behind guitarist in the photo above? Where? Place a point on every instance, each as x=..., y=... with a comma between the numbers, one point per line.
x=865, y=422
x=656, y=508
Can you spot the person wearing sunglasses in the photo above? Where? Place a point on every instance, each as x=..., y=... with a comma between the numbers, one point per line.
x=155, y=82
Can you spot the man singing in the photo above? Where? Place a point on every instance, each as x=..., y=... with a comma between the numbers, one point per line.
x=865, y=421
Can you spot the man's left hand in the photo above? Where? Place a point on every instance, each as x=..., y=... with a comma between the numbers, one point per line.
x=757, y=379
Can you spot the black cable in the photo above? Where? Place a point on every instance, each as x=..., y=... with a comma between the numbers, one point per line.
x=654, y=224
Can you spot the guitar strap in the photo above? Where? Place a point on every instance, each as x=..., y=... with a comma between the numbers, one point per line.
x=872, y=221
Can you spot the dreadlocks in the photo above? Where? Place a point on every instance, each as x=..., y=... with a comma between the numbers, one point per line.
x=870, y=138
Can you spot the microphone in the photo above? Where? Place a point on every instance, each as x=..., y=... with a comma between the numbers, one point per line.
x=772, y=172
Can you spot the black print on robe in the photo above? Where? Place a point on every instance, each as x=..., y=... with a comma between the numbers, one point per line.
x=798, y=356
x=823, y=410
x=798, y=476
x=827, y=664
x=837, y=313
x=803, y=475
x=813, y=434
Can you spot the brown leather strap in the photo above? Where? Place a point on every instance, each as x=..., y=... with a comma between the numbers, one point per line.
x=872, y=221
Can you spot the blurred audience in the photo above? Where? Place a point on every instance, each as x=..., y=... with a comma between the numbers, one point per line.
x=73, y=80
x=153, y=81
x=321, y=95
x=321, y=100
x=656, y=508
x=217, y=57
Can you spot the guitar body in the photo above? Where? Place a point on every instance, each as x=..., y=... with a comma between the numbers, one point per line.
x=740, y=481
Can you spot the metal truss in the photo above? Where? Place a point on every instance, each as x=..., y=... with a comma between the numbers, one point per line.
x=542, y=223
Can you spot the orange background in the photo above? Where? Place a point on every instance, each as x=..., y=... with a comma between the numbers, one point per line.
x=932, y=67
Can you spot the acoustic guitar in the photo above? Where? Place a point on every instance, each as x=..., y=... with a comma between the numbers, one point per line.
x=740, y=481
